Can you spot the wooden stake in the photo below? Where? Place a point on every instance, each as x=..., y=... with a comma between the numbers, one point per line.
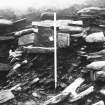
x=55, y=51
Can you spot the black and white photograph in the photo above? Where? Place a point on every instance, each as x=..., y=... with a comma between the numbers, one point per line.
x=52, y=52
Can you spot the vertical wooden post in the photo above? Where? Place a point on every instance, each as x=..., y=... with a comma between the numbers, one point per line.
x=55, y=51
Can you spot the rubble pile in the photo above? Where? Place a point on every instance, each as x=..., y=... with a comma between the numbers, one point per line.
x=81, y=65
